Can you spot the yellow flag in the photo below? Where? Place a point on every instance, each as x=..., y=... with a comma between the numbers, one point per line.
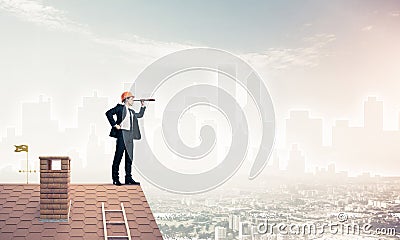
x=21, y=148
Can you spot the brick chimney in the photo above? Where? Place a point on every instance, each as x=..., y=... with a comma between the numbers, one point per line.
x=54, y=189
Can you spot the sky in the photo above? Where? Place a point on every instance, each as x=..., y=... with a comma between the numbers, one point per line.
x=323, y=56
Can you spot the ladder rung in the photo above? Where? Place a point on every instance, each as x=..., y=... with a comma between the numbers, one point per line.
x=115, y=222
x=105, y=222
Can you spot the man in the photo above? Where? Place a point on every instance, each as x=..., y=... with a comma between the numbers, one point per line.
x=124, y=129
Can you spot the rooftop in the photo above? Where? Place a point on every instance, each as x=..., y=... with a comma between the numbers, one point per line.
x=20, y=213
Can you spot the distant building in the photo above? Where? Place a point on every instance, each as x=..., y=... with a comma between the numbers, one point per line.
x=304, y=131
x=220, y=233
x=235, y=223
x=373, y=114
x=36, y=114
x=245, y=230
x=296, y=163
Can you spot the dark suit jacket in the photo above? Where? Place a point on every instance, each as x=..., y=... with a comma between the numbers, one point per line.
x=120, y=112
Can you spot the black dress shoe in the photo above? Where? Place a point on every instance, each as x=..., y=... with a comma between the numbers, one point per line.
x=117, y=182
x=130, y=181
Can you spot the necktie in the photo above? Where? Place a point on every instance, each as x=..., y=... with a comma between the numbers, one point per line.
x=131, y=120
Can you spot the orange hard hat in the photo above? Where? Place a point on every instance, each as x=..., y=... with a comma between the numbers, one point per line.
x=126, y=95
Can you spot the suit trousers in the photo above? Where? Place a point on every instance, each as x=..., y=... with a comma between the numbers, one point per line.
x=124, y=144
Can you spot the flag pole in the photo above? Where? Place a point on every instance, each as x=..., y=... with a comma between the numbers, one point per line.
x=24, y=148
x=26, y=167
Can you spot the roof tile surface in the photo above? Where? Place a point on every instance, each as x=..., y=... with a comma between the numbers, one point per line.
x=20, y=212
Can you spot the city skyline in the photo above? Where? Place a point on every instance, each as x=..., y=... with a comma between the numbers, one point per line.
x=312, y=60
x=93, y=146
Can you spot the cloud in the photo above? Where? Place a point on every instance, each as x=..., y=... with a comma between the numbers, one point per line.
x=35, y=12
x=367, y=28
x=395, y=14
x=282, y=58
x=145, y=47
x=55, y=19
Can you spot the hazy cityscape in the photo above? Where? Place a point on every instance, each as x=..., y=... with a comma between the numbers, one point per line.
x=236, y=213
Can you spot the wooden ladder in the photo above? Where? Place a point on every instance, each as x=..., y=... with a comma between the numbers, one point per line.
x=125, y=222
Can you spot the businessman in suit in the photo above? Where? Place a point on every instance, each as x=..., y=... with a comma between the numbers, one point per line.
x=125, y=129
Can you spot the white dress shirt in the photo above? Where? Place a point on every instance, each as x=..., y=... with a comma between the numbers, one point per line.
x=126, y=124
